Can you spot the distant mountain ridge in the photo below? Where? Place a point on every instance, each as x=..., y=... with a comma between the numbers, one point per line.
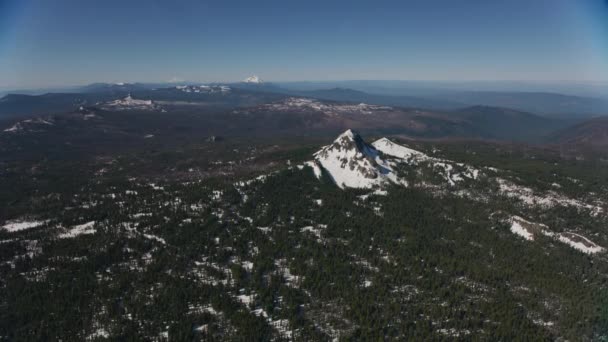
x=350, y=95
x=263, y=107
x=542, y=103
x=592, y=133
x=274, y=113
x=509, y=124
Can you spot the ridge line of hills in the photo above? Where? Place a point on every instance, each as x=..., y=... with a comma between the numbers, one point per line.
x=409, y=115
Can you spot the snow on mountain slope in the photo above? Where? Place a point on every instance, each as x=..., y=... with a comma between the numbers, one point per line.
x=333, y=109
x=129, y=103
x=451, y=171
x=29, y=125
x=390, y=148
x=527, y=229
x=353, y=163
x=296, y=103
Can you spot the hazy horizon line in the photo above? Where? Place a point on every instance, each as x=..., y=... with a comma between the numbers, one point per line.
x=538, y=82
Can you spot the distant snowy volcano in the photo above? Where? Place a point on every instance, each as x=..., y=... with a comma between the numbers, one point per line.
x=253, y=79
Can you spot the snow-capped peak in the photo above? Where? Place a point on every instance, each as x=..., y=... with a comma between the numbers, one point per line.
x=353, y=163
x=350, y=134
x=253, y=79
x=350, y=141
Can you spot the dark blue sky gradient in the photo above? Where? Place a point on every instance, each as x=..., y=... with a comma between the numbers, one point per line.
x=64, y=42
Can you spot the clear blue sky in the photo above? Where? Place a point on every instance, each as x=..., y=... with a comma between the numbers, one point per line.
x=67, y=42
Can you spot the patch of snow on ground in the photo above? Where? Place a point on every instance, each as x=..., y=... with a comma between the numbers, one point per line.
x=315, y=168
x=29, y=123
x=156, y=187
x=452, y=332
x=283, y=328
x=14, y=128
x=580, y=243
x=552, y=199
x=139, y=215
x=528, y=229
x=216, y=195
x=543, y=323
x=291, y=279
x=155, y=238
x=315, y=231
x=15, y=226
x=248, y=265
x=246, y=299
x=265, y=230
x=99, y=333
x=517, y=228
x=82, y=229
x=200, y=271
